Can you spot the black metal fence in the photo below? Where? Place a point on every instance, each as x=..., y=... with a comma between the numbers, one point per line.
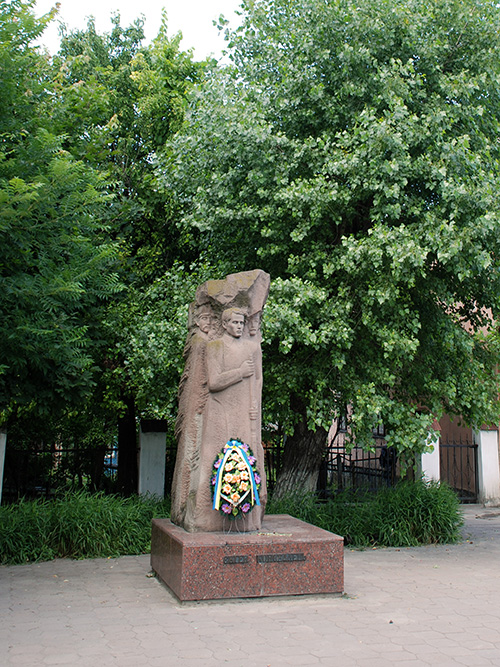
x=273, y=456
x=358, y=468
x=40, y=470
x=458, y=463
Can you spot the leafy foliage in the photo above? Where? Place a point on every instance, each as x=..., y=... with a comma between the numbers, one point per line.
x=57, y=263
x=408, y=515
x=77, y=525
x=81, y=217
x=23, y=73
x=349, y=148
x=116, y=102
x=351, y=151
x=152, y=328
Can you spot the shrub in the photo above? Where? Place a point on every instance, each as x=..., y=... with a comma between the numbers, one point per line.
x=409, y=514
x=77, y=525
x=83, y=525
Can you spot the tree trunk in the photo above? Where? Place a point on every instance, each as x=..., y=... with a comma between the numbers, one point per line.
x=128, y=473
x=97, y=468
x=302, y=458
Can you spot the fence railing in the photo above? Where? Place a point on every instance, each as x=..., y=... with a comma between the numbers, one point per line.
x=358, y=468
x=458, y=463
x=40, y=470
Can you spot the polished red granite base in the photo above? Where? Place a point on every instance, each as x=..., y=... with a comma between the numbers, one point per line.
x=286, y=557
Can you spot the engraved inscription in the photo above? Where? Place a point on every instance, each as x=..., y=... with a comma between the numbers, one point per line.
x=280, y=558
x=233, y=560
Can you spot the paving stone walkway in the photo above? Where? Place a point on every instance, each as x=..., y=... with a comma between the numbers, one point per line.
x=437, y=605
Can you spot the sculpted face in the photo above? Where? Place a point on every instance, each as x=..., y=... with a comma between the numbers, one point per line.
x=234, y=325
x=203, y=320
x=254, y=324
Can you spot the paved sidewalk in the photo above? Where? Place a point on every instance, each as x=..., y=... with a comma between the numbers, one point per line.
x=418, y=606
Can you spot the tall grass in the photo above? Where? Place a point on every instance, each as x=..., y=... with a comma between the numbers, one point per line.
x=83, y=525
x=409, y=514
x=77, y=525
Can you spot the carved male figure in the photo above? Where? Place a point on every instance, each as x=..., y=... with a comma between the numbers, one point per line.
x=227, y=362
x=232, y=379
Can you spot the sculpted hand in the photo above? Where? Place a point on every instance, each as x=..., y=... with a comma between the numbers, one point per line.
x=247, y=368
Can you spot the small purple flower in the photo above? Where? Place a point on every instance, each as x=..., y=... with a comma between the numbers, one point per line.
x=245, y=508
x=214, y=479
x=252, y=460
x=244, y=447
x=226, y=508
x=257, y=478
x=217, y=464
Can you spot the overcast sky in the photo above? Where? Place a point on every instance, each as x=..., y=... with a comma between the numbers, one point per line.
x=191, y=17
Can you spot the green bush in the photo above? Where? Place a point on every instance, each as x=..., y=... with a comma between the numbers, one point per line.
x=409, y=514
x=83, y=525
x=77, y=525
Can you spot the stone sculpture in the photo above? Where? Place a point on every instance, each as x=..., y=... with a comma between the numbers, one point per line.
x=219, y=397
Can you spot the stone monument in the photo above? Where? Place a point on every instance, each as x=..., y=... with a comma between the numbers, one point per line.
x=218, y=544
x=220, y=401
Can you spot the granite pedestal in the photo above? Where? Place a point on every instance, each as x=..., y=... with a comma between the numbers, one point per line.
x=286, y=557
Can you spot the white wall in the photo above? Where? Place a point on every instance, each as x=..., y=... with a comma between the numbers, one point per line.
x=430, y=466
x=488, y=467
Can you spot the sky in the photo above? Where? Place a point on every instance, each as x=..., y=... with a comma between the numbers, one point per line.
x=191, y=17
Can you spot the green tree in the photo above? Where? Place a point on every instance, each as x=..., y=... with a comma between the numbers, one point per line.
x=351, y=150
x=57, y=264
x=115, y=102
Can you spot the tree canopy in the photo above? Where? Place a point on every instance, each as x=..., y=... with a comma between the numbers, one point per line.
x=57, y=262
x=348, y=148
x=351, y=150
x=87, y=248
x=81, y=218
